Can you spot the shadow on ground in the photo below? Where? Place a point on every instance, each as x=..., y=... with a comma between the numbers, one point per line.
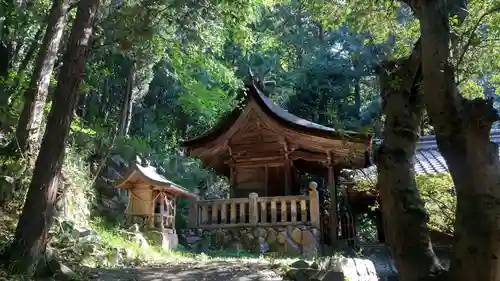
x=210, y=271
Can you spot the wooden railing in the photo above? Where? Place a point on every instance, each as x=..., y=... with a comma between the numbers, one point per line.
x=256, y=211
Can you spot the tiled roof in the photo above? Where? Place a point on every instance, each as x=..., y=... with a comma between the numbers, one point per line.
x=428, y=160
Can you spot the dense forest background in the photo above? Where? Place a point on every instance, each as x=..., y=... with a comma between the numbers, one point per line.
x=159, y=72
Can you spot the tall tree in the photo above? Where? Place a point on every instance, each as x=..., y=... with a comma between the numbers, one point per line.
x=462, y=128
x=403, y=210
x=28, y=128
x=31, y=233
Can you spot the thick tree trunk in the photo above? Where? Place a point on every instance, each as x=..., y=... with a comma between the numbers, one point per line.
x=462, y=129
x=31, y=233
x=28, y=128
x=404, y=214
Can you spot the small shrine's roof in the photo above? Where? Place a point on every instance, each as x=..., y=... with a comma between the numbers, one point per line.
x=150, y=175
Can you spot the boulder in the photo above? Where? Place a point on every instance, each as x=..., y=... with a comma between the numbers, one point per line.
x=335, y=276
x=281, y=237
x=236, y=245
x=261, y=246
x=220, y=239
x=166, y=240
x=354, y=269
x=310, y=246
x=300, y=264
x=271, y=236
x=259, y=232
x=192, y=239
x=248, y=241
x=296, y=236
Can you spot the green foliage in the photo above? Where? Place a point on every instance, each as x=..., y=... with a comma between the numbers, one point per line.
x=440, y=200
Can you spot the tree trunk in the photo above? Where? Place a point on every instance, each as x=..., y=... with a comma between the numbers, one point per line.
x=31, y=233
x=404, y=214
x=462, y=129
x=28, y=128
x=357, y=97
x=27, y=59
x=126, y=118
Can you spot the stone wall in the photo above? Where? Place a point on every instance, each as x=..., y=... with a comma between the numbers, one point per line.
x=285, y=241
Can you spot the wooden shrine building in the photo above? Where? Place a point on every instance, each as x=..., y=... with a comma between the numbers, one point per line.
x=263, y=149
x=152, y=197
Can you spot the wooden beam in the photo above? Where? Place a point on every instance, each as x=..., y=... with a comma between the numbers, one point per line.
x=287, y=167
x=308, y=156
x=333, y=201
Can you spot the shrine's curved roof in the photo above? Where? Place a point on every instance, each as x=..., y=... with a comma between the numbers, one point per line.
x=282, y=116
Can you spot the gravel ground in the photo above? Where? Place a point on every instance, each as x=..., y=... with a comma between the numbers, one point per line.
x=209, y=271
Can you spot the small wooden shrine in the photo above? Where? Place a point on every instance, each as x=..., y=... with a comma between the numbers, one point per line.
x=152, y=197
x=263, y=149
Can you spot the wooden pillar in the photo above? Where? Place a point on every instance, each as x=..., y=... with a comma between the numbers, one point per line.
x=253, y=208
x=193, y=212
x=232, y=180
x=162, y=209
x=333, y=203
x=151, y=217
x=314, y=205
x=287, y=166
x=288, y=174
x=174, y=207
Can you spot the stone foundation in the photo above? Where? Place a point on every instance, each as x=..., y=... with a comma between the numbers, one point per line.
x=285, y=241
x=167, y=239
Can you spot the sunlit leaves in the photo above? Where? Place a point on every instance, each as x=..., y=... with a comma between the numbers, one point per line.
x=440, y=201
x=471, y=90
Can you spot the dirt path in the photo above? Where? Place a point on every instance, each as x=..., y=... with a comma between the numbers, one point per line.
x=210, y=271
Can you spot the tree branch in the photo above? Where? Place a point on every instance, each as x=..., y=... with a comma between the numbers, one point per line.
x=471, y=33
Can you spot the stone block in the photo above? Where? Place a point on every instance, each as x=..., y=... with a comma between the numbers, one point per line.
x=167, y=240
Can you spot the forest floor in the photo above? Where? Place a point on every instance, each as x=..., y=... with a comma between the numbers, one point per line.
x=192, y=271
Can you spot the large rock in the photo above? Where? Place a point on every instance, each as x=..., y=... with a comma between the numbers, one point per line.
x=271, y=236
x=300, y=264
x=355, y=269
x=248, y=241
x=259, y=232
x=296, y=236
x=281, y=237
x=167, y=239
x=261, y=246
x=310, y=245
x=337, y=269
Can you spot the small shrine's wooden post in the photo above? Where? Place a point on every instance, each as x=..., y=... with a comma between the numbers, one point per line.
x=314, y=205
x=151, y=216
x=193, y=212
x=162, y=198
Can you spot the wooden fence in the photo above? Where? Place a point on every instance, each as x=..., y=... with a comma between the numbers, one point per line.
x=256, y=211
